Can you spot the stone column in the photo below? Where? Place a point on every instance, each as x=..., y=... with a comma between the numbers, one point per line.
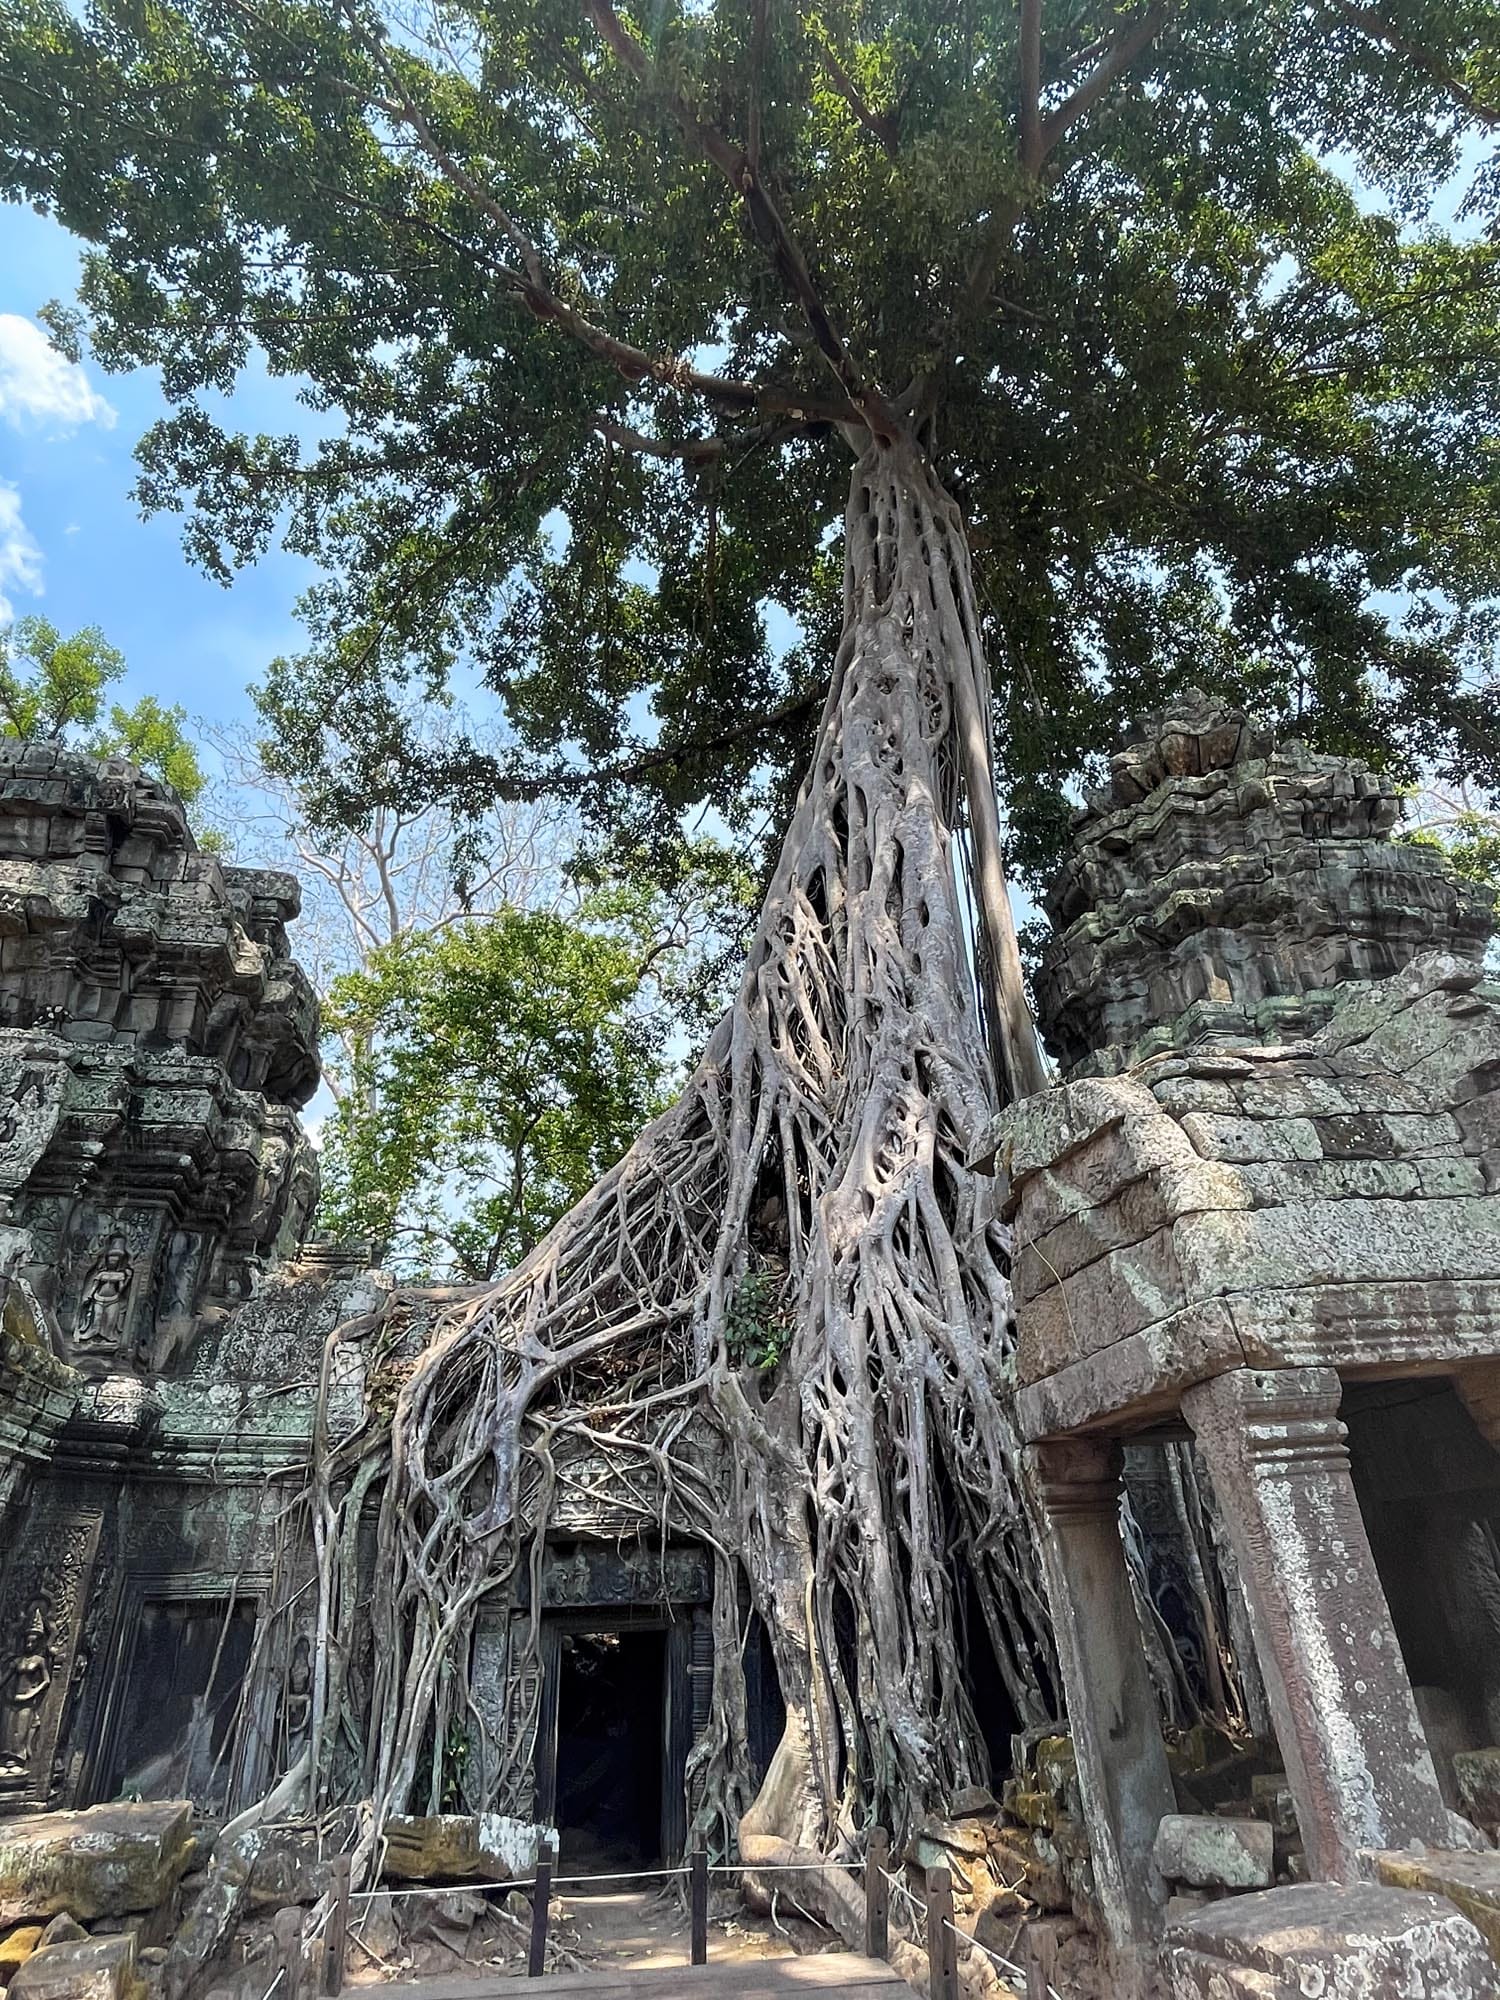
x=1356, y=1759
x=1074, y=1487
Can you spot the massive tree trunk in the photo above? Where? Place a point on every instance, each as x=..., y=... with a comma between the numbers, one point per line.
x=807, y=1203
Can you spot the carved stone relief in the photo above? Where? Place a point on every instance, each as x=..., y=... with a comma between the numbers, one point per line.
x=43, y=1604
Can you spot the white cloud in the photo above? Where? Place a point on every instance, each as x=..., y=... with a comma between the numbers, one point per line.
x=38, y=387
x=20, y=558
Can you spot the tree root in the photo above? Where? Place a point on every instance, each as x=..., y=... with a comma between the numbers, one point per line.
x=809, y=1191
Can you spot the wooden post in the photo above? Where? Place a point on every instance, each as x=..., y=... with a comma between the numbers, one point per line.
x=336, y=1930
x=541, y=1896
x=877, y=1894
x=1040, y=1953
x=942, y=1945
x=286, y=1930
x=700, y=1906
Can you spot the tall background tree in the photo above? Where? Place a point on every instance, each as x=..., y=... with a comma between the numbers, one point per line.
x=54, y=688
x=1068, y=315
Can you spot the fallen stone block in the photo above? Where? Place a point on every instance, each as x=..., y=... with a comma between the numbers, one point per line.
x=63, y=1929
x=1271, y=1797
x=1210, y=1853
x=16, y=1949
x=87, y=1969
x=1183, y=1906
x=1358, y=1942
x=99, y=1863
x=1470, y=1881
x=458, y=1847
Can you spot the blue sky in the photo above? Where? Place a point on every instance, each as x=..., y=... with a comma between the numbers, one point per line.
x=72, y=543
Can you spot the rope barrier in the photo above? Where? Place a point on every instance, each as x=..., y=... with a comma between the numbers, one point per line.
x=785, y=1867
x=1006, y=1964
x=443, y=1889
x=634, y=1875
x=274, y=1984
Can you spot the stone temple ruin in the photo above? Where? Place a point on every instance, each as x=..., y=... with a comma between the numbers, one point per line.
x=1263, y=1213
x=1256, y=1261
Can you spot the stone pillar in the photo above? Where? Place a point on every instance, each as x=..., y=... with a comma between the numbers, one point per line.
x=1074, y=1487
x=1356, y=1759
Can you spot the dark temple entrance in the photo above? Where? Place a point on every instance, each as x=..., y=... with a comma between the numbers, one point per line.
x=609, y=1749
x=185, y=1667
x=616, y=1727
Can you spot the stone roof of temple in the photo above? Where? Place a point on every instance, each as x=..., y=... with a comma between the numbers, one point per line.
x=1225, y=885
x=156, y=1042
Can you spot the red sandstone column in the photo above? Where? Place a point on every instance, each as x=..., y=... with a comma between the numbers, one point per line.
x=1356, y=1759
x=1074, y=1487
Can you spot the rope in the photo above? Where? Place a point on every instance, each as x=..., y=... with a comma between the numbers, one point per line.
x=274, y=1984
x=640, y=1875
x=1005, y=1964
x=898, y=1883
x=443, y=1889
x=635, y=1875
x=785, y=1867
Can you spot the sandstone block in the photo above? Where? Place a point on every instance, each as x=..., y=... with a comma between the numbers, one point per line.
x=1476, y=1773
x=1471, y=1882
x=1272, y=1800
x=94, y=1969
x=99, y=1863
x=1219, y=1138
x=457, y=1847
x=1210, y=1853
x=1357, y=1942
x=16, y=1949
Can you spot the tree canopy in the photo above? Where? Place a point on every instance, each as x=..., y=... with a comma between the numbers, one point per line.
x=586, y=303
x=54, y=688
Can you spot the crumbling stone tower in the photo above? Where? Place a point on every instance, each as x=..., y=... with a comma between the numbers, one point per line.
x=159, y=1345
x=1263, y=1210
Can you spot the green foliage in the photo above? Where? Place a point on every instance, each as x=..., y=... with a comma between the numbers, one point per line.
x=53, y=687
x=49, y=684
x=500, y=1067
x=1209, y=418
x=757, y=1327
x=1471, y=841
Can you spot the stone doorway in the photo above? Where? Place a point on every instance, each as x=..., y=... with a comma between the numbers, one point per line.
x=1428, y=1482
x=615, y=1731
x=183, y=1671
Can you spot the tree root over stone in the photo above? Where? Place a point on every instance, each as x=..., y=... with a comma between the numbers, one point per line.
x=810, y=1189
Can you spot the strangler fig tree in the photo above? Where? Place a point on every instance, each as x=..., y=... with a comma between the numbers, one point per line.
x=1038, y=358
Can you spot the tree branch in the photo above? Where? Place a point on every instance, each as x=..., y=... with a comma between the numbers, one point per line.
x=1370, y=22
x=766, y=221
x=529, y=279
x=1125, y=46
x=883, y=126
x=519, y=790
x=1118, y=54
x=1031, y=86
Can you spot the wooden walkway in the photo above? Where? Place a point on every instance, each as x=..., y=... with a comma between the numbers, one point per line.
x=829, y=1975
